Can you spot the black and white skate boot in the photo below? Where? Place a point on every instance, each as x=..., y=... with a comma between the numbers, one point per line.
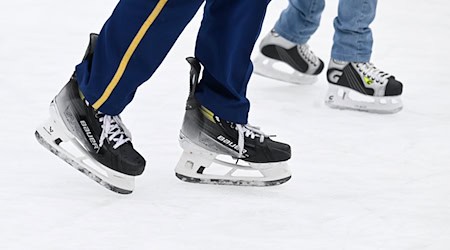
x=96, y=144
x=362, y=86
x=283, y=60
x=207, y=139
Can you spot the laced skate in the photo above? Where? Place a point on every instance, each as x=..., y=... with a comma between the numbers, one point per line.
x=283, y=60
x=362, y=86
x=222, y=152
x=96, y=144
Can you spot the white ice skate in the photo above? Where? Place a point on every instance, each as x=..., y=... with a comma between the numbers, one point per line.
x=222, y=152
x=96, y=144
x=283, y=60
x=363, y=87
x=54, y=136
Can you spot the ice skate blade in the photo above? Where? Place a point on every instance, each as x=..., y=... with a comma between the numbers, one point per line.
x=197, y=165
x=340, y=97
x=52, y=134
x=267, y=67
x=213, y=181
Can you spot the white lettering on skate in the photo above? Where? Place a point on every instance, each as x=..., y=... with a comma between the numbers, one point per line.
x=334, y=75
x=49, y=131
x=229, y=143
x=89, y=135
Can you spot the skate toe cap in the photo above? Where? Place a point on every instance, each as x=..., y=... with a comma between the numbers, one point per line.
x=320, y=68
x=284, y=152
x=280, y=152
x=132, y=163
x=393, y=87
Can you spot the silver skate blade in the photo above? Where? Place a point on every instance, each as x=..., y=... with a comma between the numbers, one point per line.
x=50, y=136
x=340, y=97
x=198, y=165
x=214, y=181
x=268, y=67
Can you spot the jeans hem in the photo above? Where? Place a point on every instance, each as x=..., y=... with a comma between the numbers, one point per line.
x=289, y=37
x=351, y=58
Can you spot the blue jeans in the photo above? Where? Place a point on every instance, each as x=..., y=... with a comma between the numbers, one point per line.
x=352, y=40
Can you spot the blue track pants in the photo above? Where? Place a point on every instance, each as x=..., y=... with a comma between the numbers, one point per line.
x=136, y=38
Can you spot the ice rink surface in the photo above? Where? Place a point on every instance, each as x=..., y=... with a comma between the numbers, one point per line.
x=360, y=181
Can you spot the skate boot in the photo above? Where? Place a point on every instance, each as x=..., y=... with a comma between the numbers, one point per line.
x=362, y=86
x=221, y=152
x=283, y=60
x=96, y=144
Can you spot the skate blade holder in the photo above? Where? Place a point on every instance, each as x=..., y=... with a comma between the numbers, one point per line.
x=341, y=97
x=201, y=166
x=109, y=178
x=279, y=70
x=55, y=137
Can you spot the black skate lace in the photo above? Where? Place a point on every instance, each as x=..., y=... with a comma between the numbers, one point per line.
x=248, y=131
x=308, y=54
x=370, y=71
x=113, y=129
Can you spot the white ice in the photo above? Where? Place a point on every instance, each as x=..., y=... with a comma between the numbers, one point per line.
x=360, y=181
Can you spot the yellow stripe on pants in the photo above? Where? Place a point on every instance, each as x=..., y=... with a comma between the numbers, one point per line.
x=126, y=58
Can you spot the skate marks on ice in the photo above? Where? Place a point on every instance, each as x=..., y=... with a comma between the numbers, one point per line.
x=197, y=165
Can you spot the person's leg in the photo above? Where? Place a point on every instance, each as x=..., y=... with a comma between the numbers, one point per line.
x=353, y=36
x=300, y=20
x=130, y=47
x=215, y=120
x=286, y=45
x=225, y=42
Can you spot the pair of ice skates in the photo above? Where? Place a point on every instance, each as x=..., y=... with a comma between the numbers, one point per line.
x=352, y=85
x=215, y=151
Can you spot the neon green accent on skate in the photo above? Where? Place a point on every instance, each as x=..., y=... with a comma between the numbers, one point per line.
x=208, y=114
x=81, y=94
x=368, y=80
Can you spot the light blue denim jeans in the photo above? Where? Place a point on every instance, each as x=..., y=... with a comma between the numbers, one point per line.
x=352, y=40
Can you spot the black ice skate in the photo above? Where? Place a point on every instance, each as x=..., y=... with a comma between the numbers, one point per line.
x=283, y=60
x=96, y=144
x=207, y=139
x=362, y=86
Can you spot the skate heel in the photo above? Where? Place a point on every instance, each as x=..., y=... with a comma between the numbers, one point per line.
x=54, y=130
x=194, y=160
x=279, y=70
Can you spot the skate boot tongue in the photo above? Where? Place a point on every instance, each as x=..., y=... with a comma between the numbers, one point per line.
x=113, y=130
